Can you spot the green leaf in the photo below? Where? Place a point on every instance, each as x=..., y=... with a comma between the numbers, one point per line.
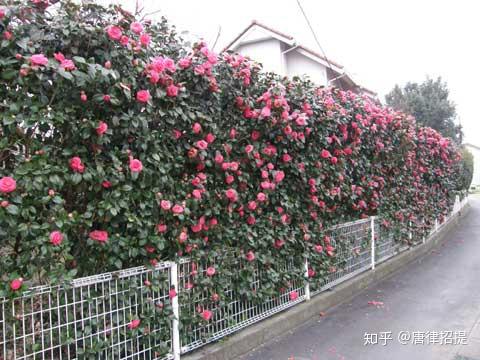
x=65, y=74
x=12, y=209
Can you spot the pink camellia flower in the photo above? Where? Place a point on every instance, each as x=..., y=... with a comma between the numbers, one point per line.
x=177, y=209
x=16, y=284
x=143, y=96
x=333, y=160
x=210, y=138
x=215, y=297
x=114, y=32
x=68, y=65
x=231, y=195
x=56, y=238
x=165, y=205
x=318, y=248
x=197, y=194
x=2, y=13
x=219, y=158
x=278, y=243
x=134, y=324
x=250, y=256
x=145, y=39
x=286, y=158
x=106, y=184
x=330, y=250
x=325, y=154
x=185, y=62
x=7, y=35
x=265, y=112
x=107, y=98
x=59, y=57
x=279, y=176
x=172, y=90
x=7, y=185
x=311, y=273
x=4, y=203
x=210, y=271
x=161, y=228
x=38, y=60
x=135, y=165
x=124, y=40
x=196, y=228
x=261, y=196
x=248, y=149
x=182, y=237
x=76, y=164
x=301, y=121
x=99, y=235
x=201, y=144
x=177, y=134
x=136, y=27
x=197, y=128
x=293, y=296
x=101, y=128
x=206, y=315
x=172, y=293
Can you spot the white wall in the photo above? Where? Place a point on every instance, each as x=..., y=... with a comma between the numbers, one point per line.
x=267, y=52
x=298, y=65
x=476, y=164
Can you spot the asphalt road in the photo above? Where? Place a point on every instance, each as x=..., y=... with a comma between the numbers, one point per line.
x=436, y=300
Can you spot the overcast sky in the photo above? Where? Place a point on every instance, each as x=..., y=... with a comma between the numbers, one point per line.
x=381, y=43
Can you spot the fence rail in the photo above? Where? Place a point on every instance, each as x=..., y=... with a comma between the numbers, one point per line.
x=95, y=316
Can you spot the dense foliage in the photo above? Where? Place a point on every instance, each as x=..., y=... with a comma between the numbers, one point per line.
x=467, y=168
x=430, y=104
x=122, y=146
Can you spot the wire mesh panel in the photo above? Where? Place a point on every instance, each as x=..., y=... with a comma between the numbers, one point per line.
x=109, y=316
x=386, y=241
x=236, y=309
x=352, y=244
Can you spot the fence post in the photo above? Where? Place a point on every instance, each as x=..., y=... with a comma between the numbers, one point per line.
x=176, y=312
x=436, y=225
x=372, y=226
x=307, y=282
x=410, y=236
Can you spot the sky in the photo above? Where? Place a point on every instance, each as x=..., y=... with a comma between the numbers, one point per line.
x=380, y=42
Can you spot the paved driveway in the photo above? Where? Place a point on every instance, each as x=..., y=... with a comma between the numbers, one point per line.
x=438, y=294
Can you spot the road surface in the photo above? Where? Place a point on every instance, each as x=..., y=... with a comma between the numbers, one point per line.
x=435, y=301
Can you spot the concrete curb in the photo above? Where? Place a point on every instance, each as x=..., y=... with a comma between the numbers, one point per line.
x=257, y=334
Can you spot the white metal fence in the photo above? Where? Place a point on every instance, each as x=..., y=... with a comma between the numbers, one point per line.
x=89, y=319
x=94, y=317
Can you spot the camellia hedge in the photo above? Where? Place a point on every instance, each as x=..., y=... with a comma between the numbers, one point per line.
x=120, y=145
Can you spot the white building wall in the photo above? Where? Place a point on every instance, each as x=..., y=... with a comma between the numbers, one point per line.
x=298, y=65
x=267, y=52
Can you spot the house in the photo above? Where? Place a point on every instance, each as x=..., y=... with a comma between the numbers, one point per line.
x=475, y=150
x=280, y=53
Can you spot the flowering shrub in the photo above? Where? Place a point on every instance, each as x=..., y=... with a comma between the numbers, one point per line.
x=121, y=146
